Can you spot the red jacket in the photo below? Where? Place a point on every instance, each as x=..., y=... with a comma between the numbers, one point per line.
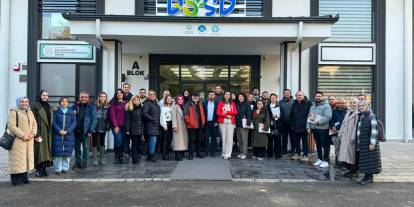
x=190, y=116
x=221, y=115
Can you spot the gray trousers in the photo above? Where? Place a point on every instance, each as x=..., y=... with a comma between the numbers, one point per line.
x=242, y=139
x=337, y=144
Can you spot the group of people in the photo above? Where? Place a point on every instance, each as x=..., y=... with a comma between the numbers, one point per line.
x=47, y=136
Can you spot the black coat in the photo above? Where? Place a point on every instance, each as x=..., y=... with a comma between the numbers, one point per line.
x=299, y=115
x=369, y=161
x=151, y=113
x=134, y=123
x=274, y=124
x=243, y=111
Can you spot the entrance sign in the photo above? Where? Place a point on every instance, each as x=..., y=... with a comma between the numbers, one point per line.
x=201, y=8
x=65, y=51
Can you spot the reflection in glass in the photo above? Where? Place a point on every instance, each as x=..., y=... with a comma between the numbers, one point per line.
x=55, y=27
x=169, y=75
x=240, y=79
x=204, y=72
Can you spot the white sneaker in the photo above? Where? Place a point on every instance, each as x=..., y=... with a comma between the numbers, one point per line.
x=324, y=164
x=304, y=159
x=243, y=157
x=318, y=162
x=260, y=158
x=239, y=156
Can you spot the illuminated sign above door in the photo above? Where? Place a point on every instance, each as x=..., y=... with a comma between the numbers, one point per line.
x=202, y=8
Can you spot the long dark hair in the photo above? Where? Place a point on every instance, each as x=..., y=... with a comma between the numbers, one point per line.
x=114, y=98
x=224, y=97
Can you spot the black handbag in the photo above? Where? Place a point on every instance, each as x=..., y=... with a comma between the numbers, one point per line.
x=8, y=138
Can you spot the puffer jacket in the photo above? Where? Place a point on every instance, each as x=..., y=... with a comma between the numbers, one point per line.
x=324, y=111
x=243, y=111
x=151, y=113
x=299, y=115
x=134, y=123
x=63, y=145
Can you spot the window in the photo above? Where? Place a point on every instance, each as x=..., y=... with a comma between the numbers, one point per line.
x=169, y=76
x=346, y=81
x=355, y=22
x=240, y=79
x=252, y=8
x=54, y=26
x=204, y=72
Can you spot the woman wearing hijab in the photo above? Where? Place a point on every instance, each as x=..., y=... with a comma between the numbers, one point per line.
x=21, y=123
x=180, y=133
x=43, y=114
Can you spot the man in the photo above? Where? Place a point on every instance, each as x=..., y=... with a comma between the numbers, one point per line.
x=298, y=117
x=194, y=118
x=319, y=116
x=362, y=97
x=265, y=97
x=256, y=94
x=151, y=113
x=211, y=124
x=338, y=116
x=218, y=93
x=126, y=87
x=86, y=123
x=285, y=105
x=332, y=102
x=143, y=94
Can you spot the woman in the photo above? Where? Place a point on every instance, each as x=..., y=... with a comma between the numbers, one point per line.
x=274, y=145
x=43, y=114
x=21, y=123
x=226, y=113
x=165, y=94
x=134, y=125
x=347, y=135
x=186, y=95
x=117, y=120
x=244, y=112
x=261, y=124
x=233, y=97
x=102, y=126
x=64, y=125
x=180, y=133
x=367, y=146
x=166, y=124
x=151, y=113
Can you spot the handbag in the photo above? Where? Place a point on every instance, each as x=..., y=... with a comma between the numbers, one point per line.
x=8, y=138
x=244, y=124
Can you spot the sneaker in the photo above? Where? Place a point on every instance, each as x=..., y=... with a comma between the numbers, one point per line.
x=295, y=157
x=324, y=164
x=260, y=158
x=239, y=156
x=243, y=157
x=318, y=162
x=254, y=157
x=305, y=159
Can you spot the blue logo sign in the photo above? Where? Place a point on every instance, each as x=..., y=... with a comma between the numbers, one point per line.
x=202, y=29
x=191, y=7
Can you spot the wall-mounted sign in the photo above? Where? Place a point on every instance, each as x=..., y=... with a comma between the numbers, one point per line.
x=202, y=29
x=65, y=51
x=207, y=8
x=135, y=70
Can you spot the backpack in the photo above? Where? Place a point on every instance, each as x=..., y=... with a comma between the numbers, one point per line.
x=380, y=130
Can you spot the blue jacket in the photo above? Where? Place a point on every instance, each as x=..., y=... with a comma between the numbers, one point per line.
x=337, y=118
x=90, y=120
x=63, y=145
x=205, y=107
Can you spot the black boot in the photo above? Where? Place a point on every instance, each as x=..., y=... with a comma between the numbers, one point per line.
x=368, y=179
x=116, y=152
x=176, y=156
x=120, y=156
x=152, y=158
x=25, y=178
x=190, y=156
x=45, y=173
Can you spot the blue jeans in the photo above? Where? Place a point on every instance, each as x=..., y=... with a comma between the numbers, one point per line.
x=61, y=163
x=119, y=138
x=296, y=138
x=84, y=141
x=152, y=141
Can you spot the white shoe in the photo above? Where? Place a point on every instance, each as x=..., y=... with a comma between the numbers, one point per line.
x=243, y=157
x=318, y=162
x=254, y=157
x=304, y=159
x=239, y=156
x=260, y=158
x=324, y=164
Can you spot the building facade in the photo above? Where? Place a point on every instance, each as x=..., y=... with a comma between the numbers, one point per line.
x=343, y=48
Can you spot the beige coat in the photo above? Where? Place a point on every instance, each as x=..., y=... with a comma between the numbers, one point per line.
x=347, y=134
x=21, y=156
x=180, y=137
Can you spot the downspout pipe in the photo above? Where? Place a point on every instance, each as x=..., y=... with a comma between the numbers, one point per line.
x=98, y=34
x=408, y=66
